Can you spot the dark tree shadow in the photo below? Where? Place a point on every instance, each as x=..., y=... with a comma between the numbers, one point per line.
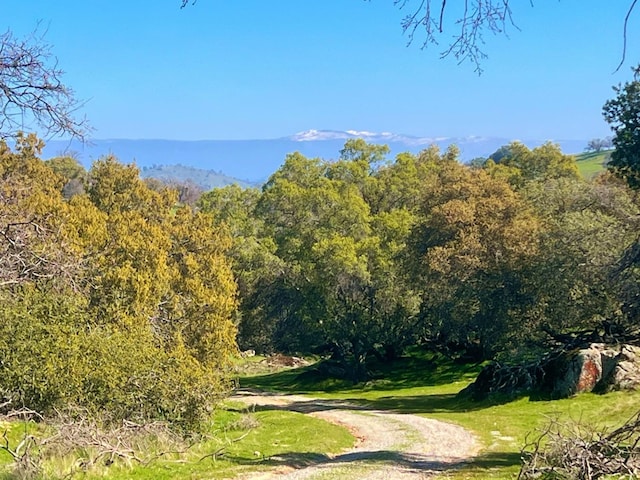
x=497, y=460
x=434, y=403
x=415, y=370
x=408, y=461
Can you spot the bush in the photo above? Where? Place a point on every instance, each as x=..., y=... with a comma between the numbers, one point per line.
x=54, y=357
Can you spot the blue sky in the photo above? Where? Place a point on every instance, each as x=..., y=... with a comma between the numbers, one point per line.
x=247, y=69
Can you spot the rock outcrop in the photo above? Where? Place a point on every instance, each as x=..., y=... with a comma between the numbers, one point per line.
x=626, y=373
x=598, y=368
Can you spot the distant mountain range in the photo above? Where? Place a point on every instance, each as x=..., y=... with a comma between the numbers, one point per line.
x=253, y=161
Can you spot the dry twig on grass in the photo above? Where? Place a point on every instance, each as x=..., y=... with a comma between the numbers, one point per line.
x=89, y=443
x=574, y=450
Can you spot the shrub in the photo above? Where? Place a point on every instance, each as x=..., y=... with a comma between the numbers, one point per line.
x=53, y=357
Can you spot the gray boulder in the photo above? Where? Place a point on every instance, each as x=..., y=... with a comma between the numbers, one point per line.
x=626, y=373
x=575, y=372
x=599, y=368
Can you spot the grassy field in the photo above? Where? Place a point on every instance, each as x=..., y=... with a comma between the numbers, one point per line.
x=427, y=386
x=268, y=434
x=591, y=163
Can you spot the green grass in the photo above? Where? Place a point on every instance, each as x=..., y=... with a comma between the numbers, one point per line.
x=14, y=432
x=280, y=437
x=416, y=370
x=428, y=386
x=421, y=384
x=261, y=365
x=242, y=440
x=591, y=163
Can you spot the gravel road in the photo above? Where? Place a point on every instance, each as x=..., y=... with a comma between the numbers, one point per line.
x=389, y=445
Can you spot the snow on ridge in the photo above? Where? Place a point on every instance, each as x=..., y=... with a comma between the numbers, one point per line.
x=382, y=137
x=362, y=133
x=312, y=135
x=318, y=135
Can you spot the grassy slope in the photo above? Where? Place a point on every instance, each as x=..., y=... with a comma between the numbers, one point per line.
x=428, y=387
x=591, y=163
x=277, y=433
x=261, y=435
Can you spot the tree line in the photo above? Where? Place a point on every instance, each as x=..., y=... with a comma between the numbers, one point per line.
x=504, y=257
x=363, y=256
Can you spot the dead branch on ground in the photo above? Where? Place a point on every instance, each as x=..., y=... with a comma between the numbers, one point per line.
x=574, y=450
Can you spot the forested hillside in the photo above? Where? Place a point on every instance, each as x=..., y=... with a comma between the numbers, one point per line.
x=149, y=318
x=359, y=257
x=365, y=256
x=181, y=174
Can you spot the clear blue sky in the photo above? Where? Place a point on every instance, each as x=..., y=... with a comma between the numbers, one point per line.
x=242, y=69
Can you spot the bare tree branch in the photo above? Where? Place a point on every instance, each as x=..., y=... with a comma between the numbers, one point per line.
x=32, y=93
x=576, y=450
x=477, y=18
x=624, y=35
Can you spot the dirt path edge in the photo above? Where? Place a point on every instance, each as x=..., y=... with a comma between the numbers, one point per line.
x=388, y=445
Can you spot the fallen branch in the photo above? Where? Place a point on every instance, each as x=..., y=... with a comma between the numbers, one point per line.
x=577, y=451
x=222, y=449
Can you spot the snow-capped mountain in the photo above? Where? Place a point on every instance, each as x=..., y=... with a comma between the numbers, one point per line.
x=256, y=160
x=323, y=135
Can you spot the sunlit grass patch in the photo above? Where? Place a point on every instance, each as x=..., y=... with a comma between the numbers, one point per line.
x=273, y=438
x=591, y=163
x=238, y=439
x=415, y=370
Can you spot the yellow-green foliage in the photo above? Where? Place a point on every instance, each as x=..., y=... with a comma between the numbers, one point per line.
x=111, y=301
x=522, y=165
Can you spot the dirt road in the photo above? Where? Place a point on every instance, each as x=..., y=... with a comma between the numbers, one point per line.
x=389, y=446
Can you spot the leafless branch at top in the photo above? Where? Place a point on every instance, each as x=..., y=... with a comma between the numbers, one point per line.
x=624, y=35
x=32, y=94
x=476, y=18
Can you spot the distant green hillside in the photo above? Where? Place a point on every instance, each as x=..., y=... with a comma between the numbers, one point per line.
x=592, y=163
x=207, y=179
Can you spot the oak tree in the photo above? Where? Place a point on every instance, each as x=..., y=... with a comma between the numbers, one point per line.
x=623, y=114
x=471, y=252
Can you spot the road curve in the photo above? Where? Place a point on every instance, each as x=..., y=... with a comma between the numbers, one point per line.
x=389, y=445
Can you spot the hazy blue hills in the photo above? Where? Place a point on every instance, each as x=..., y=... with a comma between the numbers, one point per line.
x=253, y=161
x=207, y=179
